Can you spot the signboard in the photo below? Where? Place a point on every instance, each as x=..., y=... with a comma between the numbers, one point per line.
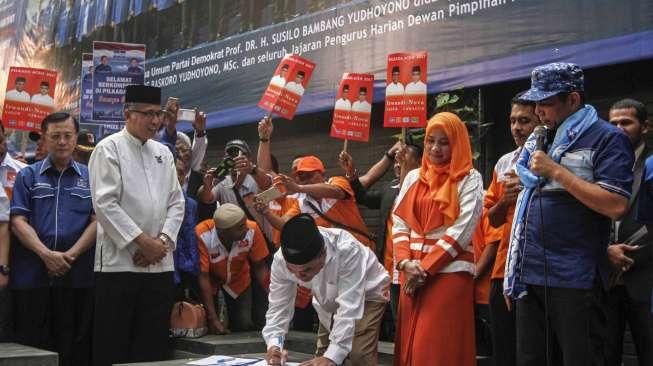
x=353, y=107
x=29, y=97
x=405, y=91
x=287, y=86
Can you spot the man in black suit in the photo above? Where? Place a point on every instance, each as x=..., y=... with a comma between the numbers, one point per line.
x=629, y=297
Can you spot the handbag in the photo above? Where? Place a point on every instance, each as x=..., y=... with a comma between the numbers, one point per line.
x=188, y=320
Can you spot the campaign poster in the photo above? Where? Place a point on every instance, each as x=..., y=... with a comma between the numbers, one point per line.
x=353, y=107
x=287, y=86
x=115, y=65
x=29, y=97
x=405, y=91
x=86, y=102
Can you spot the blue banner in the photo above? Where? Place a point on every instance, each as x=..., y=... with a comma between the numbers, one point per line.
x=137, y=7
x=102, y=12
x=470, y=43
x=86, y=100
x=86, y=20
x=116, y=65
x=120, y=11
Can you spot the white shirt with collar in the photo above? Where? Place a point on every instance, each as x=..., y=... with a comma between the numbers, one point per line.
x=343, y=104
x=18, y=96
x=295, y=88
x=278, y=80
x=394, y=89
x=41, y=99
x=9, y=168
x=135, y=190
x=363, y=107
x=351, y=276
x=416, y=88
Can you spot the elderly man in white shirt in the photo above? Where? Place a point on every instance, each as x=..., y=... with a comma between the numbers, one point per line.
x=18, y=93
x=139, y=206
x=350, y=292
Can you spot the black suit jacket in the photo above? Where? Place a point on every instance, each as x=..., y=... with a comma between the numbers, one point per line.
x=639, y=279
x=382, y=199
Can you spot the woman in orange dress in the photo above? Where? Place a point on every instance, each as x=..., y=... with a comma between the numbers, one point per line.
x=436, y=213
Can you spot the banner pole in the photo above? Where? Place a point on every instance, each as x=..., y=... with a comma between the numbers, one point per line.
x=23, y=143
x=403, y=135
x=344, y=145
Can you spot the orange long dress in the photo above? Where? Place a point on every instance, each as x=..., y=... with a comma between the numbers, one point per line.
x=437, y=211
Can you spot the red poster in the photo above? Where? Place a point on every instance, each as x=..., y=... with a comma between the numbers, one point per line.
x=353, y=108
x=287, y=86
x=29, y=97
x=405, y=92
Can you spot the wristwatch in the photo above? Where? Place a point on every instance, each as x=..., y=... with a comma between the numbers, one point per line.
x=254, y=169
x=166, y=239
x=4, y=269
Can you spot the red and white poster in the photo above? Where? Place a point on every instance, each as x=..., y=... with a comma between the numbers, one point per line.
x=405, y=92
x=353, y=108
x=29, y=97
x=287, y=86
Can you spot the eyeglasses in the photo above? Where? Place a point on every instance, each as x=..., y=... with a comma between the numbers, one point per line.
x=150, y=113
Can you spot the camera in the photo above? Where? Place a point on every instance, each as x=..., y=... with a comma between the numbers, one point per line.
x=224, y=168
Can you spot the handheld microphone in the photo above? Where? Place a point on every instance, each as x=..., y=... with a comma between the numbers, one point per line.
x=541, y=133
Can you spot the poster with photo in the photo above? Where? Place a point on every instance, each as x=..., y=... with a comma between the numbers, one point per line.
x=287, y=86
x=29, y=97
x=115, y=65
x=405, y=92
x=86, y=89
x=353, y=107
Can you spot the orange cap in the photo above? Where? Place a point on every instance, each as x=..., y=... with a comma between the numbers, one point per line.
x=310, y=164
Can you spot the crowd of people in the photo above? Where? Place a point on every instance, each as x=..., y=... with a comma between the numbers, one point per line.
x=545, y=266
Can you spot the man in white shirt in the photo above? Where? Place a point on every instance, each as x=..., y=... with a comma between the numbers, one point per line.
x=42, y=97
x=139, y=206
x=361, y=105
x=280, y=80
x=395, y=87
x=343, y=103
x=416, y=86
x=18, y=93
x=297, y=86
x=349, y=286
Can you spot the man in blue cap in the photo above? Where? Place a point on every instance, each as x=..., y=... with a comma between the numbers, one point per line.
x=575, y=182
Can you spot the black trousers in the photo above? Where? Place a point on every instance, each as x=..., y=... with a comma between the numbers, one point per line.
x=576, y=327
x=132, y=317
x=482, y=325
x=502, y=326
x=57, y=319
x=622, y=308
x=6, y=315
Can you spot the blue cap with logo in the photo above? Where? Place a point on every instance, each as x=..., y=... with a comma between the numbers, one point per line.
x=552, y=79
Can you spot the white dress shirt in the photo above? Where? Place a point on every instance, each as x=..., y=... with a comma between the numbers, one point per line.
x=363, y=106
x=41, y=99
x=394, y=89
x=343, y=104
x=278, y=81
x=351, y=276
x=135, y=190
x=416, y=88
x=19, y=96
x=295, y=88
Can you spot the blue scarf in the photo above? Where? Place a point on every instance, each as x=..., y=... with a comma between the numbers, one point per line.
x=566, y=135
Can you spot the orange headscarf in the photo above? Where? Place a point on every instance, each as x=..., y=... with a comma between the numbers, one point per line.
x=439, y=182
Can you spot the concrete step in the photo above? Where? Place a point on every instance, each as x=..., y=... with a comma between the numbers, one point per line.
x=13, y=354
x=292, y=357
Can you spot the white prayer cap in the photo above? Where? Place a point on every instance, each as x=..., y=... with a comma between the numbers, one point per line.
x=227, y=216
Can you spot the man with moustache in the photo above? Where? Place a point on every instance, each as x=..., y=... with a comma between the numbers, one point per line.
x=140, y=207
x=557, y=268
x=629, y=296
x=500, y=202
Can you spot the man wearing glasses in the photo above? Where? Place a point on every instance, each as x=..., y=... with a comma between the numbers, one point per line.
x=52, y=267
x=140, y=208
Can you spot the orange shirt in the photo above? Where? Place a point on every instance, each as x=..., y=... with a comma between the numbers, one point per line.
x=343, y=211
x=388, y=255
x=229, y=268
x=483, y=236
x=494, y=193
x=281, y=207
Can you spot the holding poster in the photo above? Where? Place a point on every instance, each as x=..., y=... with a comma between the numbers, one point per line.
x=287, y=86
x=86, y=103
x=29, y=97
x=116, y=65
x=353, y=108
x=405, y=93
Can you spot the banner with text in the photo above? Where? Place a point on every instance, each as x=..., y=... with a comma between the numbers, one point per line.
x=353, y=107
x=287, y=86
x=405, y=91
x=29, y=97
x=86, y=99
x=471, y=43
x=116, y=65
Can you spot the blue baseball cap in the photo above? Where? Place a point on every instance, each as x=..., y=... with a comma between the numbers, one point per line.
x=552, y=79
